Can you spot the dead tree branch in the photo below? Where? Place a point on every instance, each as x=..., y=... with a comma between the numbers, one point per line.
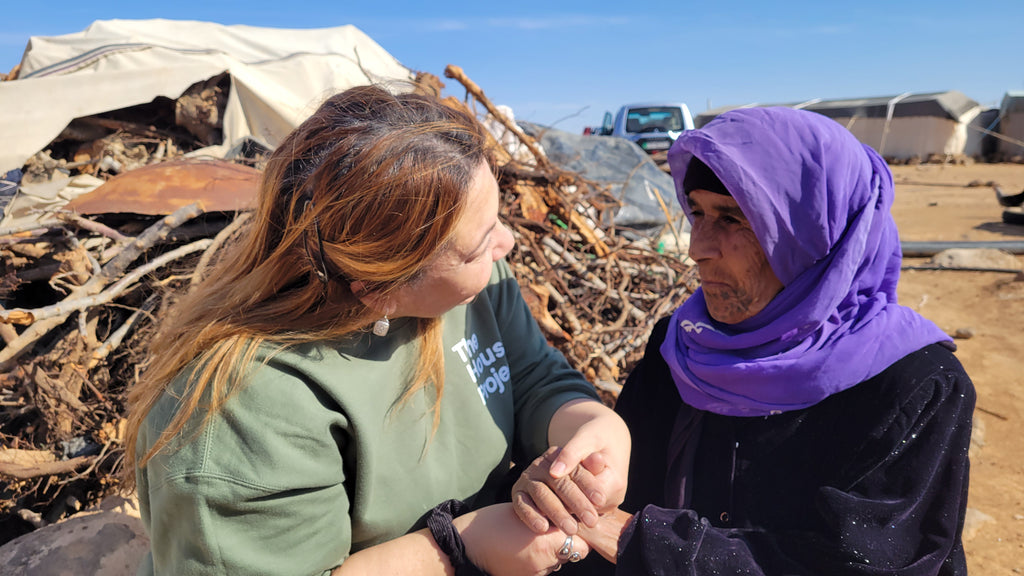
x=91, y=226
x=30, y=471
x=111, y=270
x=456, y=73
x=68, y=306
x=115, y=339
x=218, y=241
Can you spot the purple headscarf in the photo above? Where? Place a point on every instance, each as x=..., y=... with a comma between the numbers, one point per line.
x=818, y=201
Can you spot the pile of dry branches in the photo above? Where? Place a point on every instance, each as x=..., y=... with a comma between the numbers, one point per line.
x=82, y=295
x=595, y=294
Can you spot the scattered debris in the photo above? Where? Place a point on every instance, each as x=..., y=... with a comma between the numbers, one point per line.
x=1008, y=199
x=977, y=437
x=976, y=259
x=981, y=183
x=158, y=189
x=963, y=333
x=1014, y=213
x=973, y=523
x=645, y=193
x=200, y=110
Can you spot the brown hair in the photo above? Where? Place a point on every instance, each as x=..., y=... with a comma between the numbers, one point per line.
x=378, y=182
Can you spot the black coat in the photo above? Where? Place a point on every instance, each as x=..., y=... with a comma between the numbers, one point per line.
x=869, y=481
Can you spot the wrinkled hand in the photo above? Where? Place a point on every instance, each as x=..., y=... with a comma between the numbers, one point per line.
x=585, y=477
x=589, y=489
x=498, y=543
x=537, y=496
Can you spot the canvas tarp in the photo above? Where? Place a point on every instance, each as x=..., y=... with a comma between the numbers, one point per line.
x=630, y=174
x=278, y=76
x=902, y=126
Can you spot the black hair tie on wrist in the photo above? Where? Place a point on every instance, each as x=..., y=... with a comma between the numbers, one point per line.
x=448, y=539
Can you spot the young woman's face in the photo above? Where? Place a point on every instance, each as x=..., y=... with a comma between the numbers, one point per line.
x=737, y=280
x=462, y=270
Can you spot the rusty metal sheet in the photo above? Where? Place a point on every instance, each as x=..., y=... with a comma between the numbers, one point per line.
x=218, y=185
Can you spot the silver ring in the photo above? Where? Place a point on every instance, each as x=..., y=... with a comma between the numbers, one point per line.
x=557, y=568
x=566, y=550
x=574, y=557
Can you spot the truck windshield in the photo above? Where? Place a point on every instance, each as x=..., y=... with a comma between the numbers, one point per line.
x=654, y=119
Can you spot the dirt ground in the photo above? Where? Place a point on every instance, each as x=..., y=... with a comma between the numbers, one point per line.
x=936, y=203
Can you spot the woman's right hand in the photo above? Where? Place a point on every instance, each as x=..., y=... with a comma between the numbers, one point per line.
x=500, y=544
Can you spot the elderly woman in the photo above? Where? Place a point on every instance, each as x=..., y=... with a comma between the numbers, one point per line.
x=360, y=368
x=791, y=417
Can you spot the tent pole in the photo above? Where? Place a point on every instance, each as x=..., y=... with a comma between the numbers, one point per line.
x=890, y=108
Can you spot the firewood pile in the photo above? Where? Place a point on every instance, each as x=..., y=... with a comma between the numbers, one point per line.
x=81, y=295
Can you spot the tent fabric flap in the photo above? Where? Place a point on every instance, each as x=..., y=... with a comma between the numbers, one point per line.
x=279, y=76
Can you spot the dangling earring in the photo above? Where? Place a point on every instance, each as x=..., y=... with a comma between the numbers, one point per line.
x=381, y=327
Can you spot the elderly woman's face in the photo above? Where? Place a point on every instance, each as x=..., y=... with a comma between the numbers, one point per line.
x=737, y=280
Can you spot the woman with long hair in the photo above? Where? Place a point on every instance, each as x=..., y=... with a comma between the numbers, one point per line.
x=360, y=364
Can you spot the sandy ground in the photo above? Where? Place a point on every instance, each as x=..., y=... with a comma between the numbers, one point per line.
x=937, y=203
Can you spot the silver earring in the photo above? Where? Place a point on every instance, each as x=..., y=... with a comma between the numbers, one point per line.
x=381, y=327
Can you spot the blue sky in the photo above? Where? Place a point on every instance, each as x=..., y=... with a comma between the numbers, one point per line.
x=565, y=63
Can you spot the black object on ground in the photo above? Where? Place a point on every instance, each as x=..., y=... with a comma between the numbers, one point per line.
x=1010, y=200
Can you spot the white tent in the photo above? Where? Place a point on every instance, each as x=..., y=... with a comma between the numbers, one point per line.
x=278, y=76
x=1011, y=126
x=903, y=126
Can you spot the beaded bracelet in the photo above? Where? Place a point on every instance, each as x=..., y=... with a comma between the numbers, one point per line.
x=448, y=538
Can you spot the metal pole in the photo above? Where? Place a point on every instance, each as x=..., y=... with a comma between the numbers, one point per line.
x=922, y=249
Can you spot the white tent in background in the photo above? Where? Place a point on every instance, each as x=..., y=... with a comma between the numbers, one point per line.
x=899, y=127
x=278, y=76
x=982, y=135
x=1011, y=126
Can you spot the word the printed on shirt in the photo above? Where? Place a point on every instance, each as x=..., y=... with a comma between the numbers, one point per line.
x=487, y=366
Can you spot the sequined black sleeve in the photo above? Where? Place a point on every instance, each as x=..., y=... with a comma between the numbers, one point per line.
x=870, y=481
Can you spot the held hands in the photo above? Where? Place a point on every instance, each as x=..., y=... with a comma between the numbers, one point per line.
x=538, y=497
x=581, y=480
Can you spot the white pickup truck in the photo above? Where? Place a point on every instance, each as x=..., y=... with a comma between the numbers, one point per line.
x=652, y=126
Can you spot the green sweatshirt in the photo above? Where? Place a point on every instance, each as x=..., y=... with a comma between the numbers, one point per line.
x=313, y=459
